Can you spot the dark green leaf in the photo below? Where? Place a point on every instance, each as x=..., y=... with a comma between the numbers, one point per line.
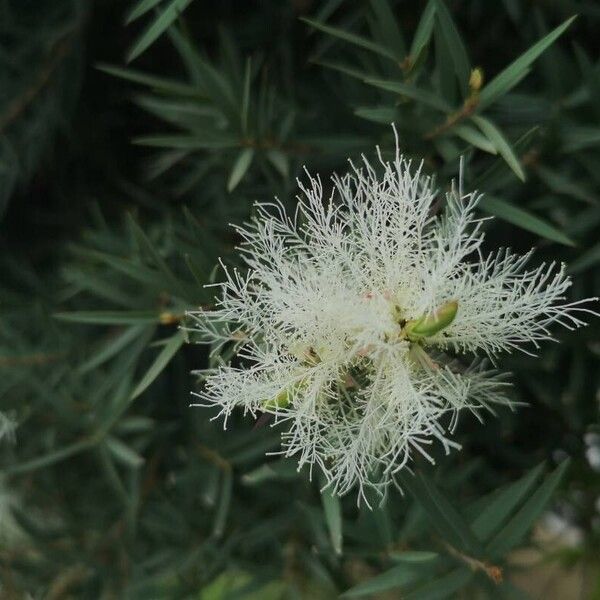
x=160, y=362
x=516, y=529
x=165, y=18
x=512, y=74
x=521, y=218
x=352, y=38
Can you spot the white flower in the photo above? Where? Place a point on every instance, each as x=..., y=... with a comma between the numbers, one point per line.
x=349, y=319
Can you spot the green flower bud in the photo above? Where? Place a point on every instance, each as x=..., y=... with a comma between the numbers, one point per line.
x=429, y=325
x=283, y=399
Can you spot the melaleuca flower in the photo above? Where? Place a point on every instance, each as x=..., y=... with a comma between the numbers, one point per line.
x=353, y=313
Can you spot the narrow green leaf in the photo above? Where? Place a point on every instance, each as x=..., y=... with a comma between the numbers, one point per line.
x=561, y=184
x=140, y=8
x=503, y=503
x=395, y=577
x=160, y=362
x=246, y=96
x=377, y=114
x=511, y=75
x=115, y=344
x=333, y=517
x=387, y=26
x=444, y=516
x=224, y=503
x=516, y=529
x=280, y=161
x=458, y=52
x=586, y=260
x=280, y=470
x=499, y=142
x=241, y=165
x=351, y=38
x=48, y=458
x=157, y=27
x=445, y=586
x=185, y=142
x=110, y=317
x=473, y=137
x=342, y=68
x=423, y=33
x=414, y=556
x=580, y=137
x=159, y=84
x=410, y=91
x=521, y=218
x=123, y=453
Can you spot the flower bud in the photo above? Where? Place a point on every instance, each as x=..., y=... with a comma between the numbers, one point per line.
x=283, y=398
x=476, y=79
x=433, y=323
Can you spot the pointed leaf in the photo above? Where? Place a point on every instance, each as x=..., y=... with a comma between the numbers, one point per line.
x=516, y=529
x=501, y=506
x=458, y=52
x=241, y=165
x=444, y=516
x=423, y=33
x=157, y=27
x=123, y=453
x=521, y=218
x=393, y=578
x=333, y=517
x=352, y=38
x=410, y=91
x=497, y=139
x=445, y=586
x=511, y=75
x=160, y=362
x=141, y=8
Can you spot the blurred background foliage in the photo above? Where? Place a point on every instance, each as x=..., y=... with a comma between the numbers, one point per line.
x=130, y=136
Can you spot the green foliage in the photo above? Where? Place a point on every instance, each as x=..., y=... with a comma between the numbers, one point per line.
x=116, y=487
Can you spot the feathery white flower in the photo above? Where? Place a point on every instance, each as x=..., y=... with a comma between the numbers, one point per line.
x=349, y=308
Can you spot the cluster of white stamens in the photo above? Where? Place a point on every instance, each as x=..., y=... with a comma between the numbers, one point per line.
x=351, y=312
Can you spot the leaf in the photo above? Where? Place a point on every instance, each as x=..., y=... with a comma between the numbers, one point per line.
x=157, y=27
x=115, y=344
x=512, y=74
x=586, y=260
x=561, y=184
x=186, y=142
x=280, y=161
x=420, y=95
x=48, y=458
x=388, y=27
x=110, y=317
x=524, y=219
x=241, y=165
x=333, y=517
x=500, y=143
x=444, y=517
x=140, y=8
x=160, y=362
x=351, y=38
x=224, y=503
x=473, y=137
x=503, y=503
x=160, y=84
x=516, y=529
x=458, y=52
x=123, y=453
x=445, y=586
x=391, y=579
x=414, y=556
x=423, y=33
